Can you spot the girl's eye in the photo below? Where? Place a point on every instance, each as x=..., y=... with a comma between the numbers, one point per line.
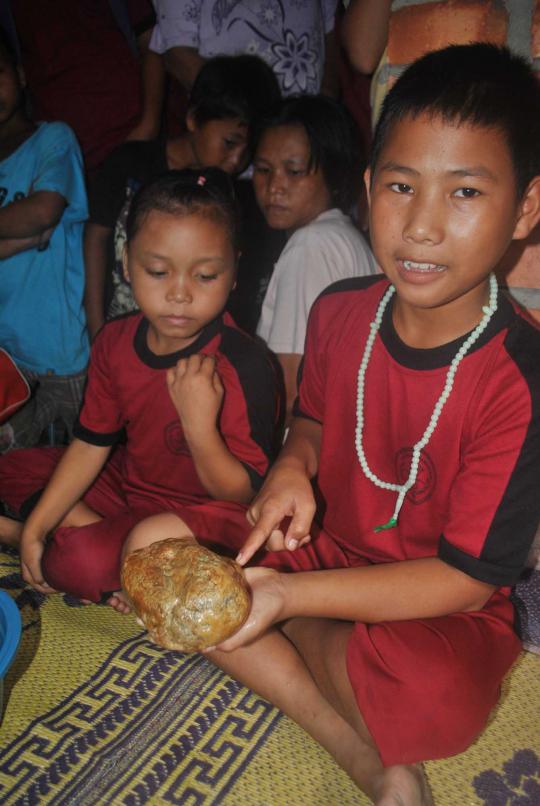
x=155, y=272
x=297, y=172
x=400, y=187
x=467, y=193
x=261, y=169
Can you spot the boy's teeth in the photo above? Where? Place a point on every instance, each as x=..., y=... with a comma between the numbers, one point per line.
x=411, y=265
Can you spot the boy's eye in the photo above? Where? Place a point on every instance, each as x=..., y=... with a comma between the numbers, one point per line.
x=155, y=272
x=206, y=278
x=231, y=143
x=261, y=169
x=400, y=187
x=467, y=193
x=296, y=171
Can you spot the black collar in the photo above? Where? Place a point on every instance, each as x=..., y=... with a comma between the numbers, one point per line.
x=442, y=356
x=154, y=361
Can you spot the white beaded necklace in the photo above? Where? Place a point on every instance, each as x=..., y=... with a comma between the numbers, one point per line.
x=402, y=489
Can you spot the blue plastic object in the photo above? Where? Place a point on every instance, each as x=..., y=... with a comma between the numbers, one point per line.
x=10, y=635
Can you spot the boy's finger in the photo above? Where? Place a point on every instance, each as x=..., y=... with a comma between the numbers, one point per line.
x=298, y=529
x=258, y=537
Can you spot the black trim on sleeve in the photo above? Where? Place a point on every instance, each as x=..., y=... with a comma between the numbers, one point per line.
x=93, y=438
x=251, y=361
x=255, y=478
x=30, y=504
x=476, y=567
x=518, y=514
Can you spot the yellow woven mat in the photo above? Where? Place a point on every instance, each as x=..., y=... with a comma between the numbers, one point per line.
x=97, y=715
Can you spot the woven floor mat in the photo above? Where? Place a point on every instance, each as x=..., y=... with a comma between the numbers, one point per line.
x=96, y=714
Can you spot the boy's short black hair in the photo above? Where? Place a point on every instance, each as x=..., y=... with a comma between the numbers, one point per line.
x=241, y=87
x=334, y=142
x=7, y=48
x=479, y=84
x=208, y=192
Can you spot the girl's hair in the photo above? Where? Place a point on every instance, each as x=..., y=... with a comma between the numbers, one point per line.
x=208, y=192
x=334, y=142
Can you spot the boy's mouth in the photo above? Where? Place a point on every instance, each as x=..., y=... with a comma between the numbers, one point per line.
x=424, y=268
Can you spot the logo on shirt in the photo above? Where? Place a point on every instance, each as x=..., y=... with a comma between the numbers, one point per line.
x=174, y=438
x=425, y=479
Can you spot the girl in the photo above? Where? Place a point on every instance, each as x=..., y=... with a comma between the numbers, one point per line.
x=307, y=174
x=194, y=396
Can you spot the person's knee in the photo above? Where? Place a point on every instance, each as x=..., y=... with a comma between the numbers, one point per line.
x=71, y=564
x=155, y=528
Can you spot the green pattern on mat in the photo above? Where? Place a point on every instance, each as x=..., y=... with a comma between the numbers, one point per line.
x=98, y=715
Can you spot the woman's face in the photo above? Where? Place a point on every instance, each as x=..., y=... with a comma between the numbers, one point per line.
x=289, y=194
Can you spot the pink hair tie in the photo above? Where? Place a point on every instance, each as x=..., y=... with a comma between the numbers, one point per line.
x=201, y=180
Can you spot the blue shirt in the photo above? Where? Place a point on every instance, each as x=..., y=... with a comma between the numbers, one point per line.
x=42, y=320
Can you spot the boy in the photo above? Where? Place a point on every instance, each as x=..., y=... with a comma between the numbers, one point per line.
x=229, y=95
x=42, y=324
x=194, y=397
x=423, y=429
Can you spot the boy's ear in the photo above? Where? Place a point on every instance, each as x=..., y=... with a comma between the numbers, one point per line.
x=367, y=183
x=529, y=210
x=191, y=123
x=125, y=264
x=22, y=77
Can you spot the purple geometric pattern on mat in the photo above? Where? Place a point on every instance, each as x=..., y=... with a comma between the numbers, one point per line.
x=141, y=713
x=517, y=785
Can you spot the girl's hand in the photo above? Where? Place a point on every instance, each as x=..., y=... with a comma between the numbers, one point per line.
x=197, y=393
x=288, y=494
x=32, y=548
x=268, y=599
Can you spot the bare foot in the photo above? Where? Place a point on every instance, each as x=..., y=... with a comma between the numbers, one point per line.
x=403, y=785
x=10, y=531
x=119, y=602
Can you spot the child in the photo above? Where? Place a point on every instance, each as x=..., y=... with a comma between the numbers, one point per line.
x=43, y=207
x=306, y=174
x=418, y=411
x=195, y=396
x=230, y=93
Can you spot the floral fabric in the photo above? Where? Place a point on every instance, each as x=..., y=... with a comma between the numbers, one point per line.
x=287, y=34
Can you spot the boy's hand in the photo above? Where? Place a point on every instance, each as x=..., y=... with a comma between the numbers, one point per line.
x=268, y=599
x=31, y=552
x=287, y=494
x=196, y=391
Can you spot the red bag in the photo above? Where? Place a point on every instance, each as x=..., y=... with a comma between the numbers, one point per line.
x=14, y=389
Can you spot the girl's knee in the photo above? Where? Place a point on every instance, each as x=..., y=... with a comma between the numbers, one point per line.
x=155, y=528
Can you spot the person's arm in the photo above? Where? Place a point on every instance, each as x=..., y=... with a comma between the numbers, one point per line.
x=289, y=364
x=364, y=32
x=152, y=91
x=286, y=493
x=184, y=64
x=407, y=590
x=96, y=244
x=75, y=472
x=330, y=77
x=31, y=216
x=197, y=393
x=12, y=246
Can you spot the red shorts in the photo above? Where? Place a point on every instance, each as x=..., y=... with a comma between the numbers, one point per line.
x=425, y=688
x=85, y=561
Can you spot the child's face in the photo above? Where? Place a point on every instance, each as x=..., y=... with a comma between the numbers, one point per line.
x=219, y=143
x=11, y=84
x=443, y=209
x=181, y=270
x=289, y=195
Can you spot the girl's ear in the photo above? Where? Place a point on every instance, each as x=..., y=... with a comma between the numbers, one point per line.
x=125, y=271
x=22, y=77
x=529, y=210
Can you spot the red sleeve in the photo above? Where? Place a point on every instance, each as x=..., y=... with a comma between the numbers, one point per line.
x=310, y=402
x=100, y=421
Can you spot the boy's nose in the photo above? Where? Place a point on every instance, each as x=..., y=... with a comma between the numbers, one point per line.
x=424, y=223
x=276, y=183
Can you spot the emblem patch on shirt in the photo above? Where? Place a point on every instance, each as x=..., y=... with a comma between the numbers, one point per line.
x=425, y=480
